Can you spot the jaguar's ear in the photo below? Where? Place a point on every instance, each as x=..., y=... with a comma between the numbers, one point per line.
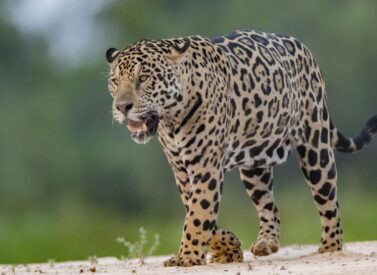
x=178, y=48
x=111, y=54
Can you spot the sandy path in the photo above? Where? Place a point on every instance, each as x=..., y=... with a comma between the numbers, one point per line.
x=357, y=258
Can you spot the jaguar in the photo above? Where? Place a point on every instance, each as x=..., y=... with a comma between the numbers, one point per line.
x=243, y=100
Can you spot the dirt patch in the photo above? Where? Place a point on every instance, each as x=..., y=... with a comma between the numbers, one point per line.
x=357, y=258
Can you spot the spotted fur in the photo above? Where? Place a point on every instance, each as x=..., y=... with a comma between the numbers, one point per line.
x=241, y=100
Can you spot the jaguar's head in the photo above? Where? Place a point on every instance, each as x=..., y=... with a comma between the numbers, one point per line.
x=144, y=83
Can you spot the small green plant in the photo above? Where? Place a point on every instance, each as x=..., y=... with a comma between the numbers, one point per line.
x=13, y=268
x=51, y=262
x=93, y=260
x=137, y=249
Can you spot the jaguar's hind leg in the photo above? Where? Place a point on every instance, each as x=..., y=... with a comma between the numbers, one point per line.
x=318, y=165
x=258, y=183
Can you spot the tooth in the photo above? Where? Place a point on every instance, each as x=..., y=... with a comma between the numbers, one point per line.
x=145, y=128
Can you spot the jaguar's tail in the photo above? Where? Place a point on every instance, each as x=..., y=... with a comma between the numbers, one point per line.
x=355, y=144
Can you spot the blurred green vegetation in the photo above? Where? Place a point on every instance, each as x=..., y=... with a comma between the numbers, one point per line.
x=71, y=181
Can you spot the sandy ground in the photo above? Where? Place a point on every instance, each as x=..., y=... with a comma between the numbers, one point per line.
x=357, y=258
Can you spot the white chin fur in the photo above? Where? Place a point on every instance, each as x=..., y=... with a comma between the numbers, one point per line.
x=140, y=137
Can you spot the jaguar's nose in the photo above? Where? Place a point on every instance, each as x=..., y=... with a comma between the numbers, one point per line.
x=124, y=107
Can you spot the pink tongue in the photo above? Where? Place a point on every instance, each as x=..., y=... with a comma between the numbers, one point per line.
x=134, y=126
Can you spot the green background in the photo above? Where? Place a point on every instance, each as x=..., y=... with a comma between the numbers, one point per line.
x=71, y=181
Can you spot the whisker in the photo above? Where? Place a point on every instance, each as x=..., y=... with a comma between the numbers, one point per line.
x=104, y=74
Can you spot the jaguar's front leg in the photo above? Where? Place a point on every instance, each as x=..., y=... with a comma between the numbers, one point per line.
x=183, y=183
x=201, y=216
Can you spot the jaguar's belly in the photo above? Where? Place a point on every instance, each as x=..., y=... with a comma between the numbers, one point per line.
x=263, y=154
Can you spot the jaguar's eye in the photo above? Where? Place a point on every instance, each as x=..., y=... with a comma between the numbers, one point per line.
x=143, y=78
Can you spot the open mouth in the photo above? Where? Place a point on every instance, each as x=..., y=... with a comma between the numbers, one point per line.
x=144, y=128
